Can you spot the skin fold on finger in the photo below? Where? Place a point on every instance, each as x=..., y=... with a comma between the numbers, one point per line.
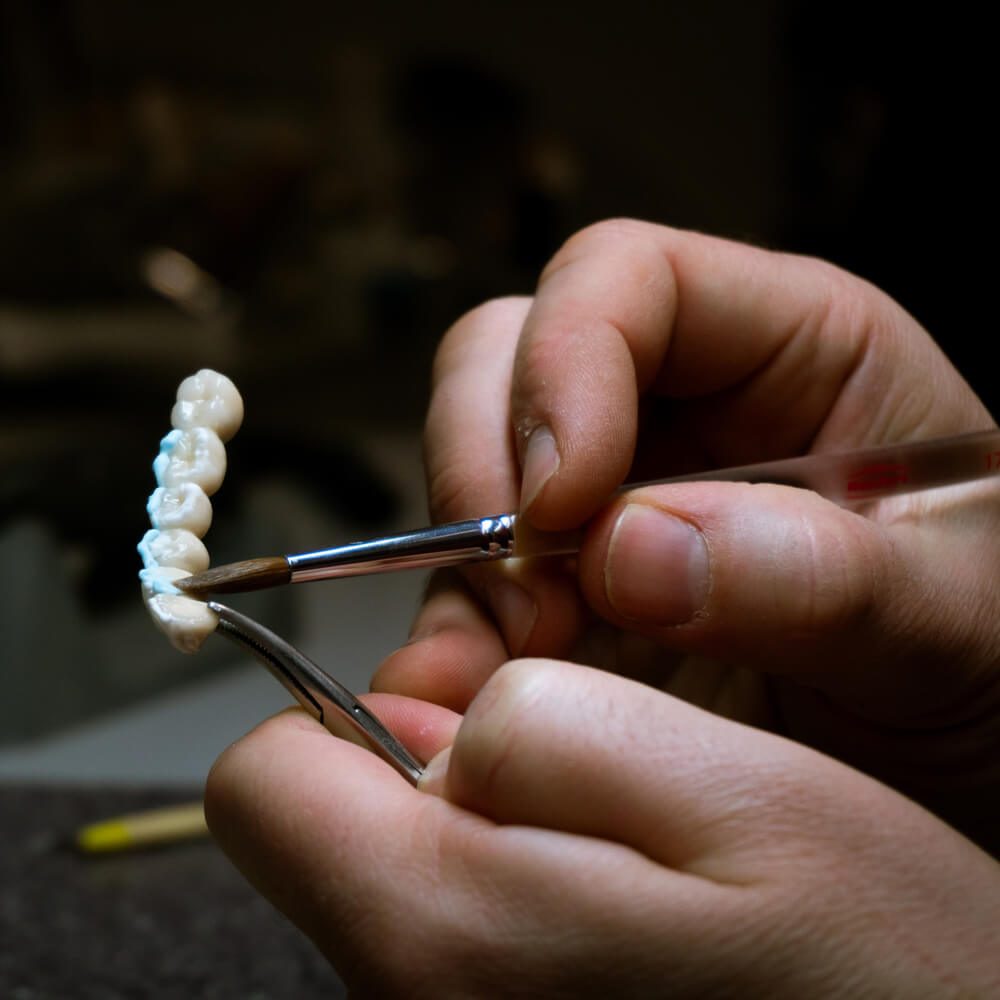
x=786, y=353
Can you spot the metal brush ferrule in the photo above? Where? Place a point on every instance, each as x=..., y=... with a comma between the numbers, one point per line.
x=498, y=536
x=481, y=539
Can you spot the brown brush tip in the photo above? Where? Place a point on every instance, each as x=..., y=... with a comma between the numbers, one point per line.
x=237, y=577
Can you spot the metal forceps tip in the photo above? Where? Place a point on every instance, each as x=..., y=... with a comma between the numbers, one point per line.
x=314, y=689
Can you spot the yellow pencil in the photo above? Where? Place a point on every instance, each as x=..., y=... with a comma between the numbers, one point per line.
x=150, y=828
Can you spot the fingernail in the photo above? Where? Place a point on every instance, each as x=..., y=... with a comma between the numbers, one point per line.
x=657, y=568
x=517, y=612
x=432, y=780
x=541, y=460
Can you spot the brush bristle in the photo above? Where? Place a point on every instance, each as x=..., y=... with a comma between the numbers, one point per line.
x=238, y=577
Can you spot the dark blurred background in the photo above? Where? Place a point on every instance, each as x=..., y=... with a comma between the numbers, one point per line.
x=305, y=195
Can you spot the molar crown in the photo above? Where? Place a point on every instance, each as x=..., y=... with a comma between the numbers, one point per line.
x=208, y=399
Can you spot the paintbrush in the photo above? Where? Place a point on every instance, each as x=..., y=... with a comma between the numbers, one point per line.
x=846, y=478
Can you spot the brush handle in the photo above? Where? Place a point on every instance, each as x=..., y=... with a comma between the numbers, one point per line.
x=848, y=479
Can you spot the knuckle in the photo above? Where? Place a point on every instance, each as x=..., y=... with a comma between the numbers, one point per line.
x=501, y=725
x=513, y=689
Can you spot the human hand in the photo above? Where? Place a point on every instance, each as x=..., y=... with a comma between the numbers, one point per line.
x=648, y=352
x=590, y=837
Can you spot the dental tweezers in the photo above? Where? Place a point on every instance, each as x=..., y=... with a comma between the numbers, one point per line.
x=314, y=689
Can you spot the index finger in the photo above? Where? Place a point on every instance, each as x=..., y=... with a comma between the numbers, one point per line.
x=781, y=352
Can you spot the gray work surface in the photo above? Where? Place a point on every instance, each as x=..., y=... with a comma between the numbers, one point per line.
x=177, y=922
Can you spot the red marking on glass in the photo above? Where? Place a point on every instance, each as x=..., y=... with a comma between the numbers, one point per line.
x=881, y=476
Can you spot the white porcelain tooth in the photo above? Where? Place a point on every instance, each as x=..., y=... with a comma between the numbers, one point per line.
x=196, y=455
x=185, y=621
x=208, y=399
x=185, y=506
x=174, y=547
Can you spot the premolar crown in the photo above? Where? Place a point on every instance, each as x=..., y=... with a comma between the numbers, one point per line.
x=196, y=455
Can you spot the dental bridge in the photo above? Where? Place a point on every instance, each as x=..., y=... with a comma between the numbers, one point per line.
x=189, y=468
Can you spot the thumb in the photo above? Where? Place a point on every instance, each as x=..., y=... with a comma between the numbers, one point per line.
x=570, y=748
x=774, y=578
